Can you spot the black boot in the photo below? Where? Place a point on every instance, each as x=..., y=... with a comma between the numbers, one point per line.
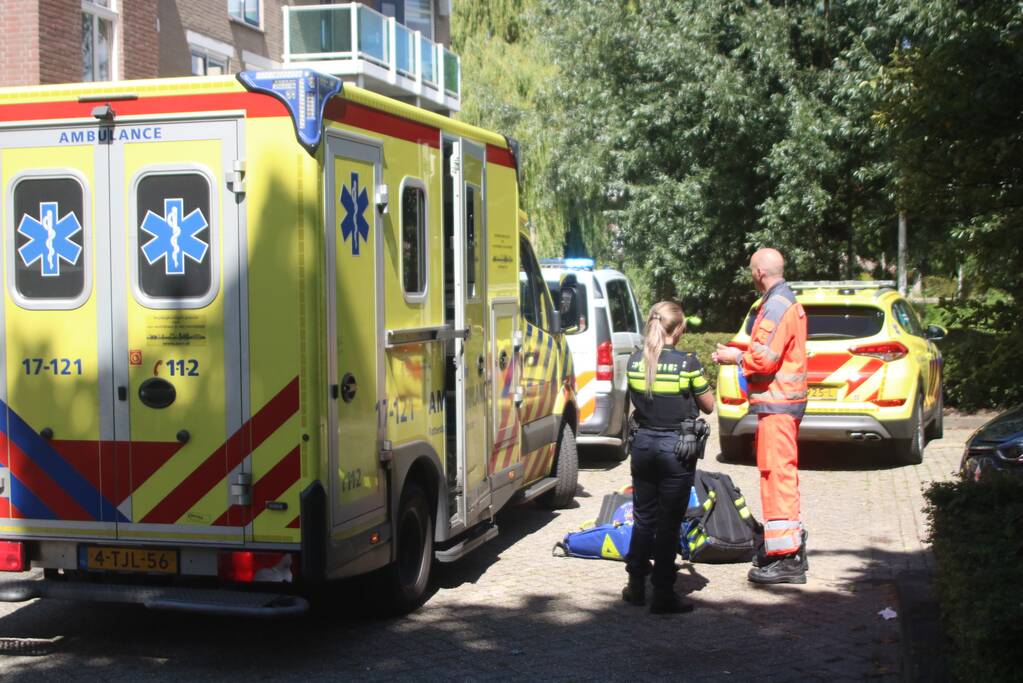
x=784, y=569
x=761, y=560
x=667, y=602
x=634, y=592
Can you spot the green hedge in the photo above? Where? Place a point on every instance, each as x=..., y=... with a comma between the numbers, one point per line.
x=977, y=533
x=703, y=344
x=982, y=369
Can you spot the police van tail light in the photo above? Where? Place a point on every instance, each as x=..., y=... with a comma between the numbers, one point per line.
x=13, y=556
x=886, y=351
x=605, y=361
x=247, y=566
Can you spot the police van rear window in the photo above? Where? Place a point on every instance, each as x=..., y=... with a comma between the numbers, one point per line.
x=842, y=322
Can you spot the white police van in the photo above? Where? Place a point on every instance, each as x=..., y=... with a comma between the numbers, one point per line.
x=610, y=330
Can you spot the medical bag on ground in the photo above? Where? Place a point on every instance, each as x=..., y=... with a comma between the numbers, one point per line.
x=723, y=530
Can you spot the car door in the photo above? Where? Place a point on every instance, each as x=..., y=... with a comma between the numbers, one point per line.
x=626, y=337
x=922, y=350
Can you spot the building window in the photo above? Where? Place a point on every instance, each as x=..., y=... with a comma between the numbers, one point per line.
x=413, y=240
x=99, y=27
x=208, y=65
x=245, y=11
x=419, y=16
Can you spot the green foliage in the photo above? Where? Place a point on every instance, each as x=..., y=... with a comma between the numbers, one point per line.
x=981, y=352
x=977, y=536
x=703, y=344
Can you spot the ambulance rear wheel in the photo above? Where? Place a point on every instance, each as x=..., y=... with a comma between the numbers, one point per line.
x=407, y=578
x=566, y=469
x=911, y=451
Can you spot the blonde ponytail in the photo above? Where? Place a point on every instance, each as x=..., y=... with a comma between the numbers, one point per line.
x=666, y=321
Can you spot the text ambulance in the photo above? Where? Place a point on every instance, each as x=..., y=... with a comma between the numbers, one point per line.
x=263, y=330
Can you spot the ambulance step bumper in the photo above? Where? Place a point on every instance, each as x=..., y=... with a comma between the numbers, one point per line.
x=180, y=599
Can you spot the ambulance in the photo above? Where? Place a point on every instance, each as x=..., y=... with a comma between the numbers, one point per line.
x=263, y=332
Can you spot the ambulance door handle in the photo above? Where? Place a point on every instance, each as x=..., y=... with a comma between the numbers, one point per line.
x=481, y=365
x=122, y=393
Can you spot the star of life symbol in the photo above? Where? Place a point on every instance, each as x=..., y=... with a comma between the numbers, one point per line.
x=354, y=224
x=174, y=236
x=49, y=239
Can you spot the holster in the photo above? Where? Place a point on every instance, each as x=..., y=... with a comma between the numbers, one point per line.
x=631, y=433
x=692, y=441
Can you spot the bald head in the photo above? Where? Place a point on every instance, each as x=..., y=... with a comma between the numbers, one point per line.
x=767, y=266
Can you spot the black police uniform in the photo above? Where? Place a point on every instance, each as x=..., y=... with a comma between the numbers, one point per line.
x=660, y=482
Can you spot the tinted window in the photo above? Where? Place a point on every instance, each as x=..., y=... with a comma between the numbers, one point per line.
x=49, y=238
x=174, y=260
x=620, y=308
x=472, y=252
x=907, y=318
x=842, y=322
x=413, y=240
x=536, y=303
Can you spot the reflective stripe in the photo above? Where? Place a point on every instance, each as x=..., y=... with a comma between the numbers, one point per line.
x=780, y=526
x=791, y=377
x=783, y=545
x=796, y=409
x=774, y=394
x=744, y=512
x=741, y=500
x=760, y=348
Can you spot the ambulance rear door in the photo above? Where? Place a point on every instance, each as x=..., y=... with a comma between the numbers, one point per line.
x=177, y=332
x=57, y=475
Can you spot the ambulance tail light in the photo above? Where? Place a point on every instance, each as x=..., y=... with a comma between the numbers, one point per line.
x=605, y=361
x=886, y=351
x=733, y=400
x=246, y=566
x=13, y=556
x=888, y=402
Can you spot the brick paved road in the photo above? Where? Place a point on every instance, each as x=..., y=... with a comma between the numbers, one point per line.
x=512, y=611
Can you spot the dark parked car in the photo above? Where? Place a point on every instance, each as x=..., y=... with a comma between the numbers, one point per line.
x=998, y=445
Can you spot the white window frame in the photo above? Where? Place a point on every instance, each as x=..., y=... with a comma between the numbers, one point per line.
x=111, y=15
x=209, y=47
x=433, y=18
x=241, y=19
x=407, y=182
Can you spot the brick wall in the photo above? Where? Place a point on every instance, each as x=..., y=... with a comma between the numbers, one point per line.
x=60, y=41
x=140, y=45
x=19, y=42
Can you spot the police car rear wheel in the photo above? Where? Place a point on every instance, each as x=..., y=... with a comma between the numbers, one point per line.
x=408, y=577
x=566, y=469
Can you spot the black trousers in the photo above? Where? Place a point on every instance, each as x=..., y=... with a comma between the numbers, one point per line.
x=660, y=493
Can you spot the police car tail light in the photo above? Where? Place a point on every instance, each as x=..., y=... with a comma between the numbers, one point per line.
x=605, y=361
x=13, y=556
x=886, y=351
x=247, y=566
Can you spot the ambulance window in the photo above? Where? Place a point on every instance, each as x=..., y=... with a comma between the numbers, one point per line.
x=473, y=216
x=49, y=242
x=413, y=240
x=173, y=213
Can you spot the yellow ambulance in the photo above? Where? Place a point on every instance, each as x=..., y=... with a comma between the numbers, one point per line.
x=259, y=333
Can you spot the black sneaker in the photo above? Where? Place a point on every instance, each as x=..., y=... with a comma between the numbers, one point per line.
x=763, y=560
x=786, y=569
x=669, y=603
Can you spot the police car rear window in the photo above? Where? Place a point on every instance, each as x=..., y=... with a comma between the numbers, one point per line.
x=842, y=322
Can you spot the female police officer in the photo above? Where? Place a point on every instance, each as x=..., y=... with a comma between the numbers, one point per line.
x=666, y=386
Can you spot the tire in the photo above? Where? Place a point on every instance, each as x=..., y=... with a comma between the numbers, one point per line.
x=620, y=453
x=566, y=469
x=936, y=429
x=736, y=448
x=406, y=580
x=911, y=451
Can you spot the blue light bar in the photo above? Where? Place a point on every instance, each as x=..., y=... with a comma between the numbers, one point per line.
x=577, y=263
x=303, y=91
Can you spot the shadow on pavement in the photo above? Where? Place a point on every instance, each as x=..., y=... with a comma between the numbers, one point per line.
x=821, y=631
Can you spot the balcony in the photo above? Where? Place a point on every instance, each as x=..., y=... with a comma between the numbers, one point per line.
x=362, y=46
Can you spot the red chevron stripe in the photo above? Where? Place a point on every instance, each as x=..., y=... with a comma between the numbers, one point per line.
x=5, y=508
x=38, y=482
x=212, y=470
x=865, y=373
x=269, y=487
x=295, y=523
x=819, y=366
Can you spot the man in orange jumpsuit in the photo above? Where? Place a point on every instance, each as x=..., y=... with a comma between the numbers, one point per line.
x=775, y=369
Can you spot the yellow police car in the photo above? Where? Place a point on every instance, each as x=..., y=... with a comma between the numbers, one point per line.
x=873, y=370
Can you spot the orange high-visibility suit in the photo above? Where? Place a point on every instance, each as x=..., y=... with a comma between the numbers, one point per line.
x=775, y=370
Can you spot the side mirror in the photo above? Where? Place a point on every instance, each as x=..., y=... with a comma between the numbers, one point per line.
x=572, y=304
x=936, y=333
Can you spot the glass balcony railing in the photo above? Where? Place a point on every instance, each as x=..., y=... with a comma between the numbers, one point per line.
x=343, y=34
